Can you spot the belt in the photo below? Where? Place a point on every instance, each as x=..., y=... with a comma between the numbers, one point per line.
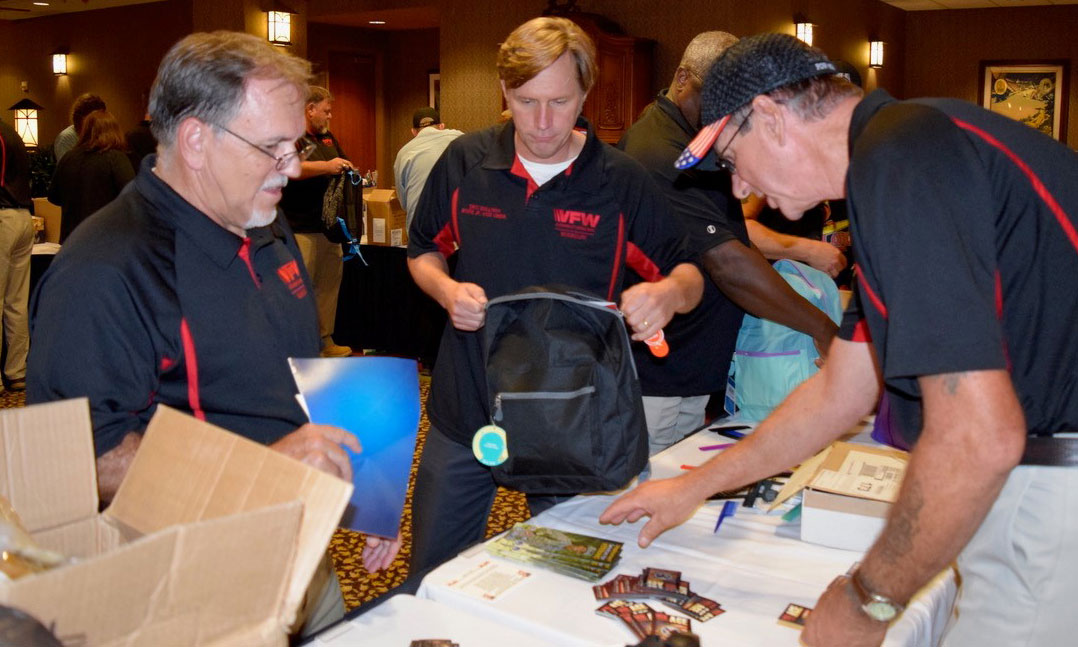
x=1048, y=451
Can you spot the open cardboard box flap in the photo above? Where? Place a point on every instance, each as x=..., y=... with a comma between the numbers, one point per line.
x=48, y=460
x=189, y=584
x=831, y=459
x=849, y=489
x=188, y=470
x=211, y=536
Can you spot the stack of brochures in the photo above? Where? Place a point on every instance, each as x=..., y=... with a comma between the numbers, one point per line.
x=580, y=556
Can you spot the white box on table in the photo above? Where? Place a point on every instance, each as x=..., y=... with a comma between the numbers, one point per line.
x=848, y=492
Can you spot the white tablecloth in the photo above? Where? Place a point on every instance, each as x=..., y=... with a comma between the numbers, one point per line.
x=403, y=618
x=754, y=566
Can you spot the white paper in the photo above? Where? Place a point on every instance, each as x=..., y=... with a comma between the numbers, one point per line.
x=864, y=475
x=488, y=580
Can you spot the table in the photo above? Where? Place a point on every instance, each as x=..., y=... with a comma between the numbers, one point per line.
x=381, y=308
x=40, y=260
x=404, y=618
x=753, y=566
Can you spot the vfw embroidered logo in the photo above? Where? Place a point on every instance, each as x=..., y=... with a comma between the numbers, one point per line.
x=289, y=273
x=575, y=224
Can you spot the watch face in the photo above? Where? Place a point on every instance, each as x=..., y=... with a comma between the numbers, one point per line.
x=881, y=611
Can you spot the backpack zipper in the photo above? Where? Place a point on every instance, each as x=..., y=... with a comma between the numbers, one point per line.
x=496, y=412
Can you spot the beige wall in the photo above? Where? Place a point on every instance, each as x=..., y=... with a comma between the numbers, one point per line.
x=411, y=56
x=249, y=16
x=471, y=31
x=114, y=53
x=470, y=34
x=948, y=46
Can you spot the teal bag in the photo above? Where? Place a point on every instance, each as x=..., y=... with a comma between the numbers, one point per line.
x=770, y=360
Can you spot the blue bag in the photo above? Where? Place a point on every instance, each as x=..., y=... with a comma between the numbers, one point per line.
x=770, y=360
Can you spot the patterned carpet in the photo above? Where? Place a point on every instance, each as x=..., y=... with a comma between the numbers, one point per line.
x=11, y=399
x=346, y=547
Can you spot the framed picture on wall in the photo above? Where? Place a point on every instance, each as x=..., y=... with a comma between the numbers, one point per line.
x=434, y=91
x=1032, y=92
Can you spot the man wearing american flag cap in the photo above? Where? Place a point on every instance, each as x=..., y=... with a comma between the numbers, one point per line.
x=964, y=227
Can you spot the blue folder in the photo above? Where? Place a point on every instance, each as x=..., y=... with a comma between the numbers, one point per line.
x=377, y=399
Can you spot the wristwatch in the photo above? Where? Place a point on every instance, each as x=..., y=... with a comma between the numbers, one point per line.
x=876, y=606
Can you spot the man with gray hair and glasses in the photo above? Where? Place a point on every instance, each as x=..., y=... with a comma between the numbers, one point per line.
x=965, y=226
x=188, y=289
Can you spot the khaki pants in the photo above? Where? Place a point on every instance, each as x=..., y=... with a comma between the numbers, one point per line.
x=16, y=243
x=324, y=265
x=1019, y=574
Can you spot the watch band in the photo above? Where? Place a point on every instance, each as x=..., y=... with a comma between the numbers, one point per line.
x=876, y=606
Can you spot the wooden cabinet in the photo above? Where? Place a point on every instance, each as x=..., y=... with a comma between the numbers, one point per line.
x=623, y=86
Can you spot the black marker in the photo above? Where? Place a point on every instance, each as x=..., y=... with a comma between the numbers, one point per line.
x=731, y=431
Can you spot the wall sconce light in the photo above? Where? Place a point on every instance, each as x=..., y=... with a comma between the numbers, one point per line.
x=280, y=27
x=875, y=53
x=803, y=30
x=59, y=63
x=26, y=121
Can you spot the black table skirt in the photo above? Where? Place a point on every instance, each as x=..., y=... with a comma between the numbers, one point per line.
x=381, y=308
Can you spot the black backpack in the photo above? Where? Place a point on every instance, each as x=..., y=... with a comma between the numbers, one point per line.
x=562, y=384
x=342, y=209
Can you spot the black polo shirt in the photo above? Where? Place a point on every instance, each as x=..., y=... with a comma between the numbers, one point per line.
x=964, y=232
x=701, y=200
x=301, y=200
x=583, y=228
x=152, y=302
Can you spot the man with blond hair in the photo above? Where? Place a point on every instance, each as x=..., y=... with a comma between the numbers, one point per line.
x=495, y=195
x=187, y=289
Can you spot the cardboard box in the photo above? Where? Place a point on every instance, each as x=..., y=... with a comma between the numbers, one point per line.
x=849, y=489
x=211, y=539
x=385, y=222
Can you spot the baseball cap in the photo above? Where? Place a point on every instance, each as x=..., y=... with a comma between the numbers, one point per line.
x=849, y=72
x=425, y=117
x=750, y=67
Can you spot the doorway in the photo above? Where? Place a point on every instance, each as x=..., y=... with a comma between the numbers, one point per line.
x=352, y=79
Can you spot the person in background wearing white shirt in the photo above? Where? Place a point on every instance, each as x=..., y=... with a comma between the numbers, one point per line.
x=416, y=158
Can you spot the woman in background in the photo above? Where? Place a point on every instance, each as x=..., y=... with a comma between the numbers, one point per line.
x=91, y=174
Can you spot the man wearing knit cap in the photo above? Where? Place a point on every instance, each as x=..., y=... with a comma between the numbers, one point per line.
x=415, y=159
x=964, y=226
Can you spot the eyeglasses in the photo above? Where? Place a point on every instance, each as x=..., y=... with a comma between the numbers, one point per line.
x=304, y=148
x=724, y=163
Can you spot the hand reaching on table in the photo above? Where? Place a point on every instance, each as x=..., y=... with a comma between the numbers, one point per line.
x=668, y=502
